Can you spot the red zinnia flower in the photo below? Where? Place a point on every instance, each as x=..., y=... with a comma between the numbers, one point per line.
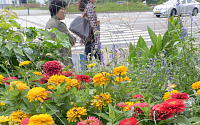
x=52, y=67
x=9, y=78
x=129, y=121
x=138, y=96
x=159, y=113
x=84, y=78
x=44, y=79
x=174, y=105
x=182, y=96
x=25, y=121
x=68, y=73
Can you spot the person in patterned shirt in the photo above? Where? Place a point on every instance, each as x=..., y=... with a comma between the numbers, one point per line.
x=92, y=47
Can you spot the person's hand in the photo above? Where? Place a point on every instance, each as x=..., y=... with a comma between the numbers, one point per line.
x=80, y=42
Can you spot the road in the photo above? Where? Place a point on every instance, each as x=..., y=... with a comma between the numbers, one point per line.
x=118, y=28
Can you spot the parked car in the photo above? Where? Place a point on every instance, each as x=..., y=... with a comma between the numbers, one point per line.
x=121, y=2
x=173, y=7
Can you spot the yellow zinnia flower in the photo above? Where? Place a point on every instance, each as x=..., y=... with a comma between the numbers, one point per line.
x=91, y=65
x=76, y=83
x=196, y=85
x=69, y=83
x=101, y=100
x=122, y=79
x=121, y=70
x=198, y=92
x=20, y=85
x=76, y=112
x=1, y=79
x=37, y=73
x=36, y=94
x=2, y=103
x=24, y=63
x=4, y=119
x=54, y=80
x=101, y=78
x=128, y=104
x=167, y=95
x=41, y=119
x=16, y=117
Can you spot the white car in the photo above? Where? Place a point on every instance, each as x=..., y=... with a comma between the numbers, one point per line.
x=176, y=7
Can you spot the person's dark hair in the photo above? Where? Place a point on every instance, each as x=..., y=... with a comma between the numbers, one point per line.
x=56, y=5
x=82, y=4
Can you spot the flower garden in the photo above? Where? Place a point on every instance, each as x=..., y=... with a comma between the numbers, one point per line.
x=159, y=85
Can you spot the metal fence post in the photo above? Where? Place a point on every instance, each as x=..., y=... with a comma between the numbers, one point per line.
x=28, y=10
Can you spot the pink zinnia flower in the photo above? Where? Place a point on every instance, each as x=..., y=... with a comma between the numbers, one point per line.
x=129, y=121
x=25, y=121
x=138, y=96
x=90, y=121
x=68, y=73
x=137, y=105
x=84, y=78
x=52, y=67
x=9, y=78
x=122, y=104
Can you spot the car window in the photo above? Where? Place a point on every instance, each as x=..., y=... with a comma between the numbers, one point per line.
x=189, y=1
x=171, y=2
x=183, y=1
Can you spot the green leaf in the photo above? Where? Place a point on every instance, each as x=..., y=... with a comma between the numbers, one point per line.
x=194, y=119
x=9, y=46
x=1, y=41
x=182, y=120
x=132, y=52
x=19, y=51
x=44, y=33
x=29, y=53
x=61, y=89
x=5, y=25
x=111, y=112
x=152, y=35
x=103, y=115
x=159, y=44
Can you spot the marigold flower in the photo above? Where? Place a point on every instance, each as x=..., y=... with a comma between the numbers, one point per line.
x=2, y=103
x=25, y=121
x=54, y=80
x=196, y=85
x=129, y=121
x=91, y=65
x=52, y=67
x=17, y=116
x=37, y=73
x=101, y=78
x=90, y=121
x=76, y=112
x=198, y=92
x=41, y=119
x=24, y=63
x=68, y=73
x=1, y=79
x=121, y=70
x=20, y=85
x=4, y=119
x=9, y=78
x=101, y=100
x=182, y=96
x=167, y=95
x=83, y=78
x=37, y=94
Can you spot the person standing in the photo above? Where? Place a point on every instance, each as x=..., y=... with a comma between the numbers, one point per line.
x=91, y=46
x=57, y=10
